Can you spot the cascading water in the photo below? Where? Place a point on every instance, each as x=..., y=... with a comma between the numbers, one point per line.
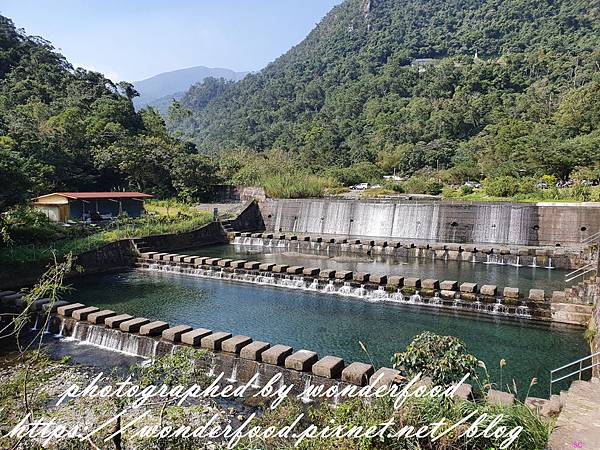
x=346, y=289
x=234, y=371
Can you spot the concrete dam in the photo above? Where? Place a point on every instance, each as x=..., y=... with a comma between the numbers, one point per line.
x=534, y=224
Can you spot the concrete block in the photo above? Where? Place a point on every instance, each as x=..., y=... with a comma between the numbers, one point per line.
x=381, y=243
x=133, y=325
x=357, y=373
x=343, y=275
x=213, y=341
x=328, y=367
x=174, y=334
x=254, y=350
x=511, y=292
x=559, y=297
x=53, y=307
x=99, y=317
x=67, y=310
x=311, y=271
x=195, y=336
x=276, y=355
x=412, y=282
x=445, y=293
x=190, y=259
x=153, y=328
x=396, y=280
x=464, y=392
x=116, y=321
x=235, y=344
x=541, y=252
x=147, y=255
x=179, y=258
x=225, y=262
x=83, y=313
x=5, y=293
x=252, y=265
x=361, y=277
x=449, y=285
x=378, y=278
x=327, y=273
x=430, y=283
x=158, y=256
x=302, y=360
x=266, y=267
x=489, y=290
x=295, y=270
x=305, y=238
x=501, y=398
x=238, y=264
x=38, y=304
x=383, y=377
x=454, y=247
x=279, y=268
x=212, y=261
x=487, y=250
x=468, y=288
x=201, y=261
x=537, y=295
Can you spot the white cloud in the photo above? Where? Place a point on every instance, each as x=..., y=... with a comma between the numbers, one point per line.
x=110, y=74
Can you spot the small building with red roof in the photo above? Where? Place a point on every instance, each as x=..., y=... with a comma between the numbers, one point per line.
x=90, y=206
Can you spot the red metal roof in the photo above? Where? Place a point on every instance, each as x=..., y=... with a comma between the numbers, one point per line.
x=96, y=195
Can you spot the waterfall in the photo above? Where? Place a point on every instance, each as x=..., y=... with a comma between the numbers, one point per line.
x=435, y=300
x=35, y=325
x=305, y=394
x=330, y=287
x=345, y=289
x=549, y=266
x=314, y=285
x=60, y=331
x=256, y=383
x=534, y=262
x=518, y=263
x=234, y=371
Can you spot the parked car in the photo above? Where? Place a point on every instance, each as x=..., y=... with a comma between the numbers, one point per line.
x=473, y=184
x=360, y=186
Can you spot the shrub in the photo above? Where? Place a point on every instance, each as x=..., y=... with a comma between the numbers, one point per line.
x=443, y=358
x=298, y=185
x=504, y=186
x=466, y=190
x=377, y=192
x=421, y=185
x=450, y=192
x=361, y=172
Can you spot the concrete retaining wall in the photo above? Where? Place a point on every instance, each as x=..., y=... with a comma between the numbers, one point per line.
x=211, y=233
x=493, y=223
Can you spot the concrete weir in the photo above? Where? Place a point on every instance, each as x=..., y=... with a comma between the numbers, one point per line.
x=466, y=298
x=239, y=357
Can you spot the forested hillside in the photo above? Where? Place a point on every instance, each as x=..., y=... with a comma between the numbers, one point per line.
x=70, y=129
x=484, y=88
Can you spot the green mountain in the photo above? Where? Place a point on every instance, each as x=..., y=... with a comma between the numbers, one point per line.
x=157, y=91
x=67, y=129
x=489, y=87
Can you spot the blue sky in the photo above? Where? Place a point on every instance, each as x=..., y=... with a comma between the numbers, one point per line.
x=132, y=40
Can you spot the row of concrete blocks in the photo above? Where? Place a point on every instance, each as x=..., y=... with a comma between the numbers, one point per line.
x=447, y=288
x=469, y=248
x=17, y=300
x=244, y=347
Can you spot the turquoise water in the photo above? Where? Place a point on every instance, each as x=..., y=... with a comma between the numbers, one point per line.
x=524, y=278
x=330, y=324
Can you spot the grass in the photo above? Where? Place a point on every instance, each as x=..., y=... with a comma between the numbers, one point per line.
x=298, y=185
x=377, y=192
x=540, y=196
x=162, y=219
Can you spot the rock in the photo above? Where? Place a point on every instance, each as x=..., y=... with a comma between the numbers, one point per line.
x=501, y=398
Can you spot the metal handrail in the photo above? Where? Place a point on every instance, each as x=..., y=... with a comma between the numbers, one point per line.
x=570, y=274
x=579, y=371
x=591, y=238
x=567, y=280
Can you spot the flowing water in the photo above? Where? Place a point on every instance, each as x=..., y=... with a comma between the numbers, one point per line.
x=491, y=271
x=331, y=324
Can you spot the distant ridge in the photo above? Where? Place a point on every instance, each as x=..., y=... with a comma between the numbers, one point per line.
x=158, y=90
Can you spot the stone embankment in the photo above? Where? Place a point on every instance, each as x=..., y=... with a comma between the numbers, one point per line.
x=469, y=298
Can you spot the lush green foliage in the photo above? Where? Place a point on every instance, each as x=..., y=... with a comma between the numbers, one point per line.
x=398, y=84
x=65, y=129
x=442, y=358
